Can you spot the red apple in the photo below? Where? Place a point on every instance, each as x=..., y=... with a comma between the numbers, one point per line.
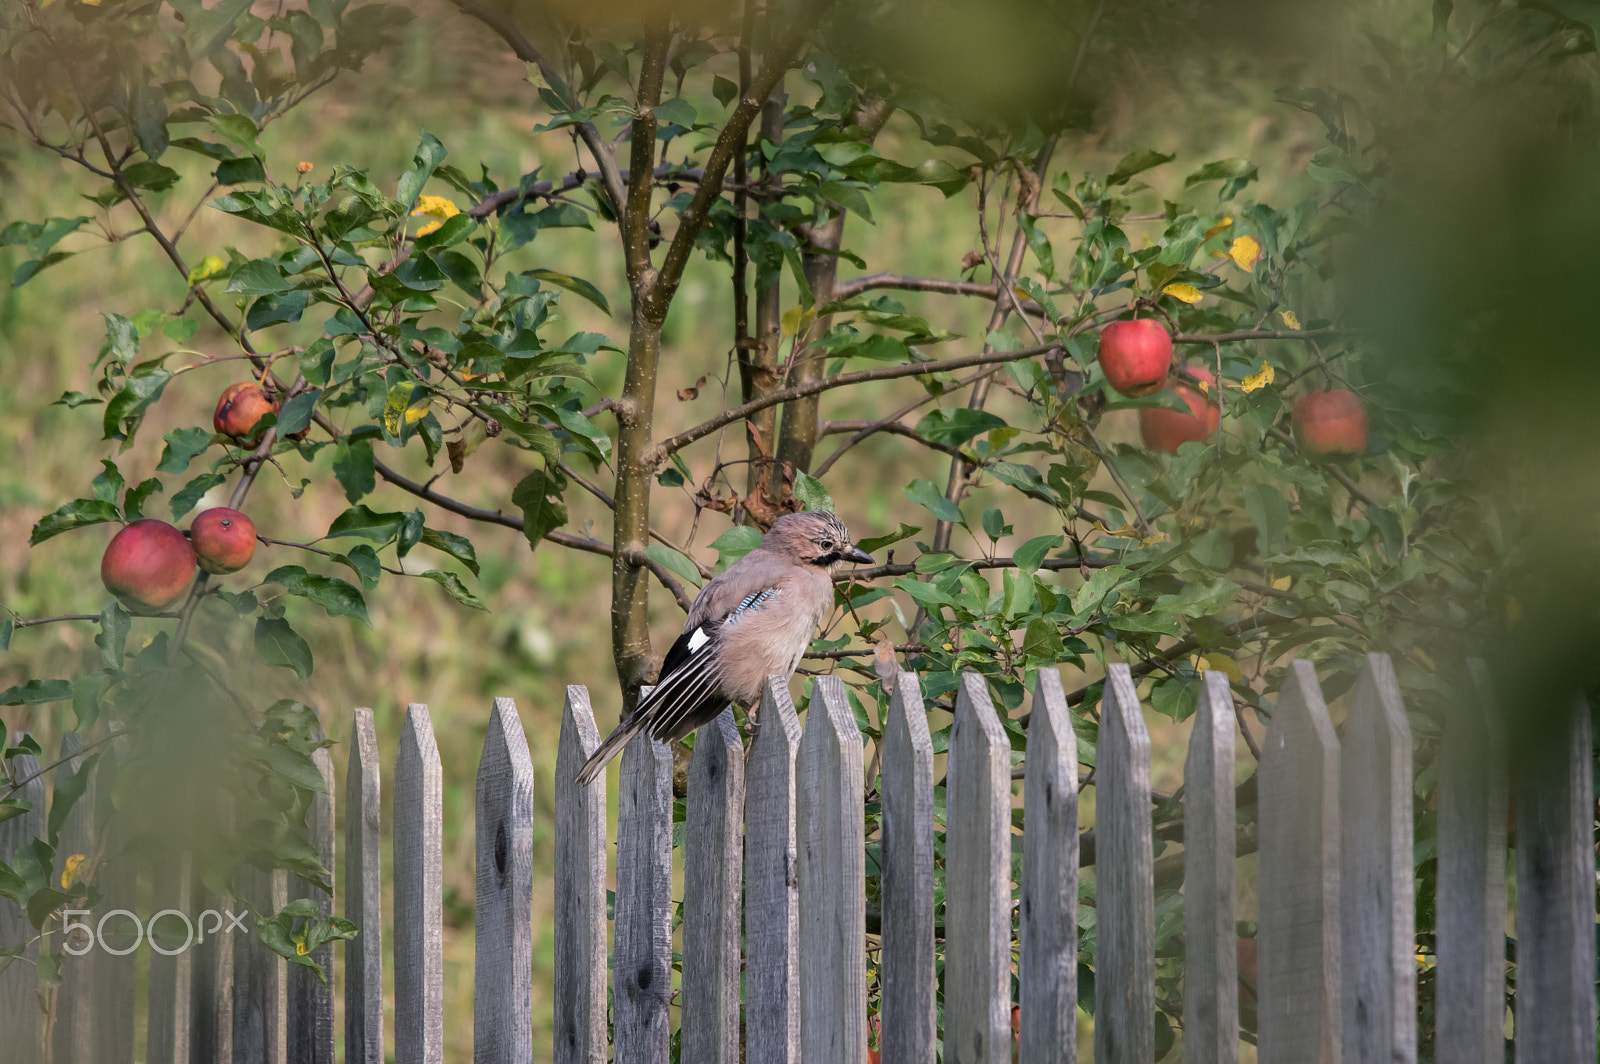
x=1135, y=356
x=240, y=407
x=148, y=565
x=1332, y=422
x=1164, y=430
x=224, y=539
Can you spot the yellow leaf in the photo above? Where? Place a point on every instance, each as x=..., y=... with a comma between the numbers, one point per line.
x=91, y=3
x=796, y=319
x=438, y=207
x=300, y=949
x=1223, y=664
x=209, y=266
x=1289, y=319
x=1245, y=252
x=69, y=871
x=1422, y=656
x=1219, y=227
x=427, y=227
x=1257, y=380
x=1282, y=583
x=408, y=401
x=1186, y=292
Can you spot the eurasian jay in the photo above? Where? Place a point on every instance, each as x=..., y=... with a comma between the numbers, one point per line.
x=755, y=620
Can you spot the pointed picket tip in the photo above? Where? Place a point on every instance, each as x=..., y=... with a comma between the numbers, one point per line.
x=580, y=736
x=1377, y=699
x=1051, y=715
x=417, y=742
x=974, y=707
x=906, y=730
x=505, y=743
x=836, y=723
x=1300, y=704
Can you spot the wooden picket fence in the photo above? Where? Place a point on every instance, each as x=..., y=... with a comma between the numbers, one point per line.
x=774, y=860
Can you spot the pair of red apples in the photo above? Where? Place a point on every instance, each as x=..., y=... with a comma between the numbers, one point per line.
x=1136, y=357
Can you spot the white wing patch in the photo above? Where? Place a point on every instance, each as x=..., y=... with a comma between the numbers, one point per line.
x=698, y=640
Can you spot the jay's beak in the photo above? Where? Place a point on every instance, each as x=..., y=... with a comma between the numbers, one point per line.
x=856, y=554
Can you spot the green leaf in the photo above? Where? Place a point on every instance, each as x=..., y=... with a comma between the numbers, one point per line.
x=68, y=789
x=674, y=561
x=812, y=495
x=677, y=111
x=236, y=130
x=240, y=171
x=724, y=89
x=1136, y=162
x=364, y=560
x=360, y=521
x=1041, y=640
x=1031, y=554
x=353, y=466
x=258, y=277
x=284, y=309
x=337, y=597
x=458, y=547
x=424, y=161
x=36, y=692
x=75, y=514
x=73, y=400
x=279, y=644
x=144, y=387
x=453, y=230
x=572, y=284
x=115, y=623
x=296, y=413
x=924, y=493
x=538, y=496
x=873, y=543
x=735, y=543
x=1269, y=512
x=953, y=427
x=182, y=447
x=188, y=497
x=151, y=176
x=456, y=589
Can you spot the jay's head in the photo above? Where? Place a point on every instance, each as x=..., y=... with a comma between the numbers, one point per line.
x=813, y=537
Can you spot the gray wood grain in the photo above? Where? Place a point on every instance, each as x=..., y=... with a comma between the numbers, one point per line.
x=907, y=1018
x=713, y=868
x=1211, y=958
x=771, y=886
x=259, y=1000
x=1555, y=892
x=579, y=986
x=1300, y=1007
x=211, y=982
x=1470, y=902
x=1378, y=892
x=75, y=1005
x=20, y=1017
x=502, y=995
x=362, y=889
x=641, y=951
x=1048, y=931
x=117, y=978
x=977, y=956
x=1124, y=1029
x=418, y=901
x=832, y=870
x=167, y=1037
x=310, y=1013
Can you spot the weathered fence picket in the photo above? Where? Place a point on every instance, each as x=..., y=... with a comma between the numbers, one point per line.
x=1471, y=900
x=1211, y=958
x=20, y=1018
x=771, y=889
x=907, y=1018
x=1300, y=1008
x=1377, y=874
x=774, y=907
x=713, y=852
x=362, y=892
x=310, y=1012
x=1125, y=979
x=832, y=869
x=502, y=999
x=641, y=950
x=977, y=911
x=580, y=892
x=1556, y=893
x=1048, y=930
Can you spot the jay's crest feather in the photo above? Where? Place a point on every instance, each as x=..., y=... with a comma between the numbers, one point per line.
x=754, y=620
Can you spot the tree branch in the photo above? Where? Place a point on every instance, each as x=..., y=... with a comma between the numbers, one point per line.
x=842, y=380
x=874, y=426
x=636, y=233
x=872, y=572
x=524, y=50
x=893, y=428
x=729, y=141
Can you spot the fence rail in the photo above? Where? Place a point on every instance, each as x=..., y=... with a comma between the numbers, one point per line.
x=774, y=859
